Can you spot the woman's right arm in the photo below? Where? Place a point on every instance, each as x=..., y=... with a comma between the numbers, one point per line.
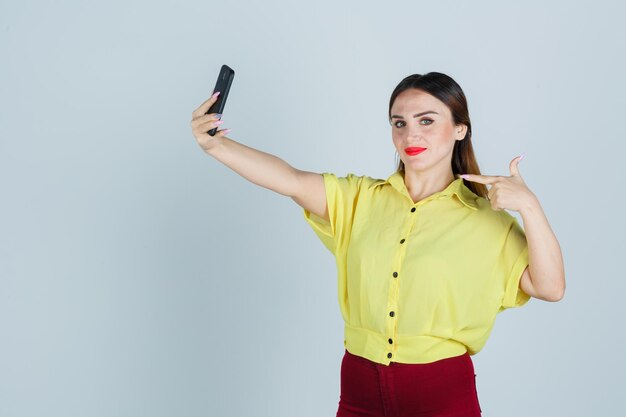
x=305, y=188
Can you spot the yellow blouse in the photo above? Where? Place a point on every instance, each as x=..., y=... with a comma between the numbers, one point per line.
x=419, y=282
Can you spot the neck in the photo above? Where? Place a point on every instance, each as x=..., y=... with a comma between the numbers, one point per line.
x=423, y=184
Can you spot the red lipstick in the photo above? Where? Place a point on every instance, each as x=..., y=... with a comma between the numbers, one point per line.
x=414, y=150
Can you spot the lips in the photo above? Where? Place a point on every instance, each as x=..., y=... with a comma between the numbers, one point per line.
x=414, y=150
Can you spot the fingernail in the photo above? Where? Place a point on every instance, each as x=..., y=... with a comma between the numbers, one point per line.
x=464, y=176
x=215, y=95
x=218, y=115
x=226, y=131
x=521, y=157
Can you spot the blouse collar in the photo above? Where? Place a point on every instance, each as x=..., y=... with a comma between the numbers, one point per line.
x=456, y=187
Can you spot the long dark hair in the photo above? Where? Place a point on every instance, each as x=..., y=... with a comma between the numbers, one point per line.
x=450, y=93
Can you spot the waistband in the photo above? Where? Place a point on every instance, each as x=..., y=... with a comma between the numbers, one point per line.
x=441, y=362
x=406, y=349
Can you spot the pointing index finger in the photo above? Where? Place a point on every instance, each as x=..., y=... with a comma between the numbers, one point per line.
x=483, y=179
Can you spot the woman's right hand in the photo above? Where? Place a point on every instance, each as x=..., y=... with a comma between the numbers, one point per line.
x=201, y=123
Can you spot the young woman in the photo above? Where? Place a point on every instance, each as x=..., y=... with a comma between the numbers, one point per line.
x=426, y=259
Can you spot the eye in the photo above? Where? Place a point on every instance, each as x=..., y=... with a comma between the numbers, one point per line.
x=431, y=121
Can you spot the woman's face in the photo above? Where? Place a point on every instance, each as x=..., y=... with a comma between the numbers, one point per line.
x=434, y=131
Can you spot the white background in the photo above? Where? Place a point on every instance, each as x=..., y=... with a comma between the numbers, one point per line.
x=141, y=277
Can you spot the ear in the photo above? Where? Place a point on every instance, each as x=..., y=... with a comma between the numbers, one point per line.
x=459, y=131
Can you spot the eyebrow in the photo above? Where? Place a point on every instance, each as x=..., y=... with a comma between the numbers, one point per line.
x=395, y=116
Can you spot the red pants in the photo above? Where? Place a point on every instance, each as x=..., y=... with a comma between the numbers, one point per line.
x=444, y=388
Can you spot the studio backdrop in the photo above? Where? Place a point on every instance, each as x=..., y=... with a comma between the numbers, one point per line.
x=141, y=277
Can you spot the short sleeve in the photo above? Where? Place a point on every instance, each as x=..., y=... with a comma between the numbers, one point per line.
x=514, y=259
x=341, y=198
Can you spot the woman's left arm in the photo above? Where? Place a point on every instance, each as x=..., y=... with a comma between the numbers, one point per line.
x=545, y=276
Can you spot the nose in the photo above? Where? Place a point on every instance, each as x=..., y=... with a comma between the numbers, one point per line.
x=415, y=132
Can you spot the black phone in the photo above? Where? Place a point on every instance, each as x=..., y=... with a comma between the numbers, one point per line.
x=224, y=80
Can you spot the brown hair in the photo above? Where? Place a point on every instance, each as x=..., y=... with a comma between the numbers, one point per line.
x=450, y=93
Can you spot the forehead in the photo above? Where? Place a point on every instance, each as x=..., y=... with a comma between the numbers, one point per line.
x=412, y=101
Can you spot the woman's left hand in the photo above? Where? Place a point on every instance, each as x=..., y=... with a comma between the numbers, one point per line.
x=506, y=192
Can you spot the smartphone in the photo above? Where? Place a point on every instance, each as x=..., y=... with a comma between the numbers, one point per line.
x=224, y=80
